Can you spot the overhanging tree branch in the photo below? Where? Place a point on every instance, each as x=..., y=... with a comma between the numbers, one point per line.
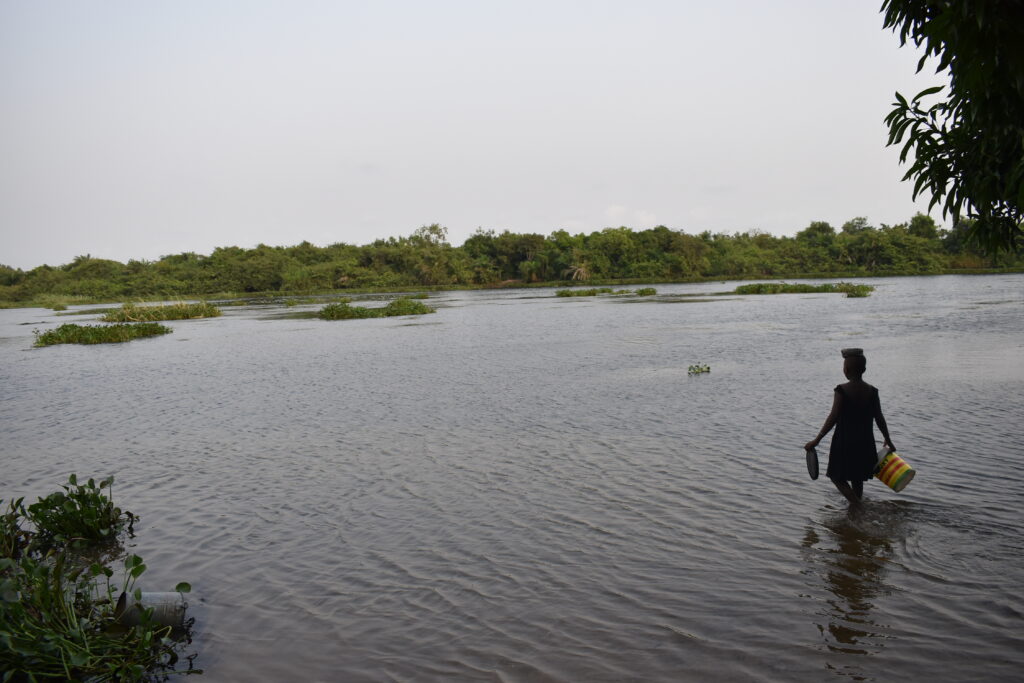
x=969, y=148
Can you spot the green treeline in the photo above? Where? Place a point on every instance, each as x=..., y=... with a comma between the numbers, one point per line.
x=426, y=259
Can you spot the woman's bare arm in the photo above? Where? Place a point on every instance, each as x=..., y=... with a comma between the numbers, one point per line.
x=882, y=426
x=830, y=422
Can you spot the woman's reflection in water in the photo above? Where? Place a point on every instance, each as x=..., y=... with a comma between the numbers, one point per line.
x=851, y=553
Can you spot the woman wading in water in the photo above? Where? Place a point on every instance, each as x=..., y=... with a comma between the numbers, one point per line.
x=852, y=456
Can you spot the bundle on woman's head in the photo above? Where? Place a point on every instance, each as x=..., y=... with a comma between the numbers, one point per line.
x=855, y=360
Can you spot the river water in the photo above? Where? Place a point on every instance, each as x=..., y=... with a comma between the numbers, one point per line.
x=522, y=487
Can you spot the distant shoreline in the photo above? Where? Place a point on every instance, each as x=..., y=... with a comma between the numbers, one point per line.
x=61, y=301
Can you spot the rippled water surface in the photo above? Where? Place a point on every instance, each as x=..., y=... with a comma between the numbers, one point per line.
x=529, y=488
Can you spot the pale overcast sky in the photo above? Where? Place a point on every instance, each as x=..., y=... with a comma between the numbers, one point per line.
x=137, y=129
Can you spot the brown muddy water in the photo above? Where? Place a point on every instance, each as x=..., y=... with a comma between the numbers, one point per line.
x=529, y=488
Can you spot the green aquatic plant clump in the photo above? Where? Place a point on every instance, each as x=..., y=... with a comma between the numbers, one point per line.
x=59, y=618
x=81, y=513
x=59, y=621
x=400, y=306
x=69, y=333
x=406, y=306
x=698, y=369
x=848, y=288
x=590, y=292
x=853, y=291
x=645, y=291
x=340, y=311
x=178, y=311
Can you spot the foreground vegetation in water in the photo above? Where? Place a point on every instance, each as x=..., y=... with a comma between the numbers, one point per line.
x=58, y=617
x=400, y=306
x=425, y=259
x=70, y=333
x=178, y=311
x=848, y=288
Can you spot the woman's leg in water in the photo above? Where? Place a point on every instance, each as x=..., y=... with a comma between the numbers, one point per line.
x=850, y=492
x=858, y=488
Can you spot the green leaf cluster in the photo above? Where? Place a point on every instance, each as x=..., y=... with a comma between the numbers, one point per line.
x=80, y=513
x=968, y=147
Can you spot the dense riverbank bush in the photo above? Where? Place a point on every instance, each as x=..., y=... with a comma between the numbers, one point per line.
x=177, y=311
x=400, y=306
x=848, y=288
x=425, y=259
x=70, y=333
x=58, y=617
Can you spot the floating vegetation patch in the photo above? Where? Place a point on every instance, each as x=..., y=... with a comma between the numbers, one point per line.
x=406, y=306
x=130, y=313
x=346, y=312
x=80, y=514
x=848, y=288
x=58, y=610
x=98, y=334
x=646, y=291
x=400, y=306
x=698, y=369
x=602, y=290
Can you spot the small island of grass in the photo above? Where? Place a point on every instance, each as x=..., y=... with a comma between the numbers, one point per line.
x=98, y=334
x=645, y=291
x=400, y=306
x=848, y=288
x=179, y=311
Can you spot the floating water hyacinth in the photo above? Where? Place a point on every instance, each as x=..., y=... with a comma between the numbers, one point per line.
x=400, y=306
x=70, y=333
x=698, y=369
x=58, y=618
x=850, y=289
x=177, y=311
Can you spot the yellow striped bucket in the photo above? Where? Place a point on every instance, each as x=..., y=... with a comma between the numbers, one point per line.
x=894, y=472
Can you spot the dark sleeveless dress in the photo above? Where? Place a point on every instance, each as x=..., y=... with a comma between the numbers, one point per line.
x=853, y=455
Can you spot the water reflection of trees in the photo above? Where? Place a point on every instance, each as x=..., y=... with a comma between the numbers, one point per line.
x=851, y=553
